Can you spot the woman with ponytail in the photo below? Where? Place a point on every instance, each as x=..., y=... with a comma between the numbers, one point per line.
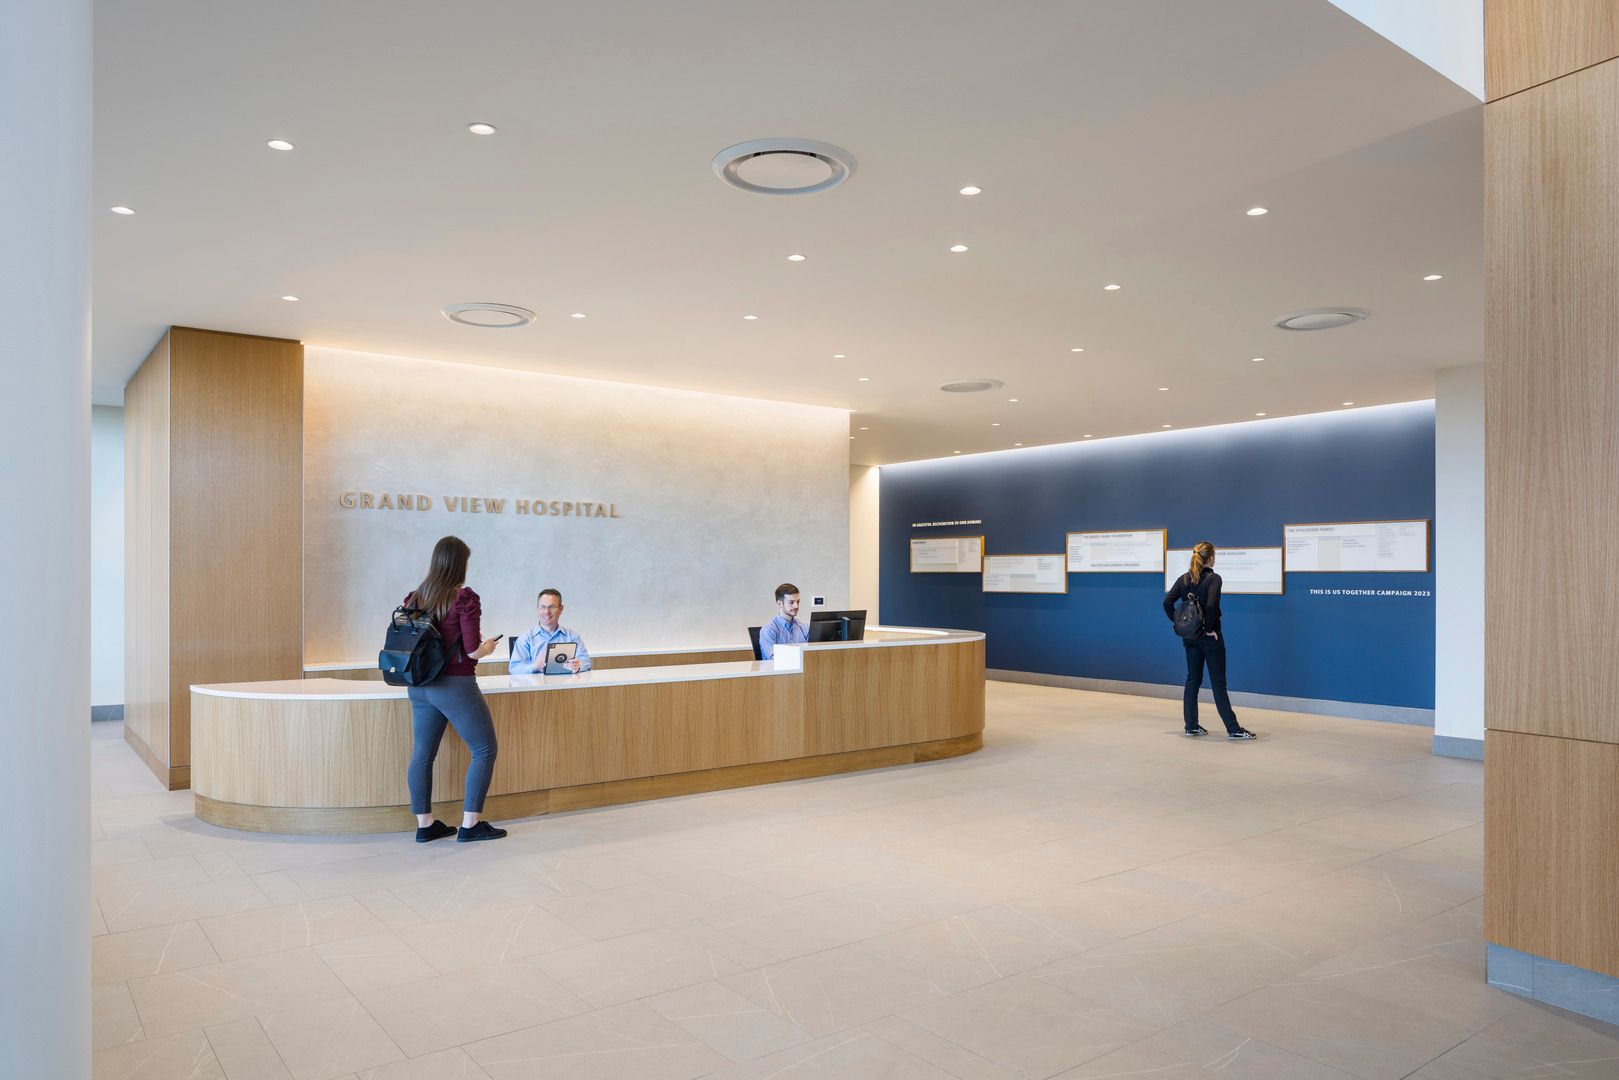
x=452, y=699
x=1208, y=646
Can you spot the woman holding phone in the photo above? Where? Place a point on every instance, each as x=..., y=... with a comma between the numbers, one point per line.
x=1208, y=647
x=453, y=698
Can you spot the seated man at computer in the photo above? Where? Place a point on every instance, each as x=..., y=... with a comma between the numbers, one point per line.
x=528, y=651
x=784, y=629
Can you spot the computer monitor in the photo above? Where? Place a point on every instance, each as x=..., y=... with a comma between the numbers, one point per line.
x=837, y=625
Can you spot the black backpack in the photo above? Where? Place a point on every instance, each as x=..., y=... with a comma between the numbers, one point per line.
x=1189, y=614
x=413, y=654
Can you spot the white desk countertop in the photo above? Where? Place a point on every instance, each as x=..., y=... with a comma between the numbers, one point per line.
x=918, y=635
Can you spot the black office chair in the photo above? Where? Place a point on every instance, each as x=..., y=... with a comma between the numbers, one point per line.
x=753, y=636
x=511, y=643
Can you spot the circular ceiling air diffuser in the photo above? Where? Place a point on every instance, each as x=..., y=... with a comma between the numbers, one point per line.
x=971, y=386
x=1321, y=318
x=783, y=166
x=490, y=316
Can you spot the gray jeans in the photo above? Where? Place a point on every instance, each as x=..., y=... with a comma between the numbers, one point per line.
x=457, y=701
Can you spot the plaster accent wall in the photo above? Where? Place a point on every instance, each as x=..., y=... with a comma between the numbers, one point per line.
x=106, y=555
x=864, y=538
x=718, y=499
x=1458, y=555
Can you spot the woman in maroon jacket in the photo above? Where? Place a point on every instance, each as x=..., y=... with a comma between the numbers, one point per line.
x=453, y=698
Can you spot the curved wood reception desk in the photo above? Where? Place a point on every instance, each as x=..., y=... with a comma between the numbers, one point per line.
x=323, y=755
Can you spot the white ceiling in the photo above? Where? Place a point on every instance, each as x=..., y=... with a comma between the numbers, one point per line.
x=1115, y=141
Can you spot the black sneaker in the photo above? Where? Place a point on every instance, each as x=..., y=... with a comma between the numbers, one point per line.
x=1241, y=733
x=481, y=831
x=1199, y=730
x=436, y=831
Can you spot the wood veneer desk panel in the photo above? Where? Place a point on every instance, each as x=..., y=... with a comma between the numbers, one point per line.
x=329, y=755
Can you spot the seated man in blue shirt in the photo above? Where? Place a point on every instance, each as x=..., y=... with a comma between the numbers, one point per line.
x=528, y=651
x=784, y=629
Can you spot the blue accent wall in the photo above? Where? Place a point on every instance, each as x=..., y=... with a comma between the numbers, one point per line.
x=1235, y=486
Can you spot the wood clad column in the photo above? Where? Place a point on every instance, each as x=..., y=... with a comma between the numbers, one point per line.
x=1552, y=464
x=213, y=563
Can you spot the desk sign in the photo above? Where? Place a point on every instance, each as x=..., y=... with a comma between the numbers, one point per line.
x=1243, y=571
x=1357, y=546
x=1117, y=552
x=947, y=555
x=1025, y=574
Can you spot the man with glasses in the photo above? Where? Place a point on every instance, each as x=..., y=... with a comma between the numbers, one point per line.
x=528, y=652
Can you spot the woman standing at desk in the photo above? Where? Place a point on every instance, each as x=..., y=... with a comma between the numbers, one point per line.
x=453, y=698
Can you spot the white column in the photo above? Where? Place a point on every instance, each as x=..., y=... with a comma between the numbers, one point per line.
x=1459, y=561
x=864, y=546
x=45, y=490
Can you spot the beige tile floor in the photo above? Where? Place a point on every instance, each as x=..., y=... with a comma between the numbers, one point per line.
x=1089, y=896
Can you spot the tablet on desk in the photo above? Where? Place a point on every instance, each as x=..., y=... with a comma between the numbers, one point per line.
x=559, y=655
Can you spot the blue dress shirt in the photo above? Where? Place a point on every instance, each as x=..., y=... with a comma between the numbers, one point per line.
x=781, y=631
x=528, y=653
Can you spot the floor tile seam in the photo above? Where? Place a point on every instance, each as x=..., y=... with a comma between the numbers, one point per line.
x=439, y=973
x=274, y=1049
x=1005, y=1067
x=131, y=991
x=139, y=1020
x=364, y=1008
x=1235, y=1033
x=1422, y=892
x=1429, y=840
x=1210, y=911
x=973, y=1054
x=1432, y=1021
x=804, y=956
x=1398, y=798
x=1448, y=1049
x=1365, y=856
x=397, y=986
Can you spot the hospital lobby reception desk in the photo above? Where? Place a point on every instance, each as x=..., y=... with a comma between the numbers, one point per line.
x=328, y=755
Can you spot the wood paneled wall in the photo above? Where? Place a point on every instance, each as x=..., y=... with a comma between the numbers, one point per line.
x=1528, y=42
x=1552, y=813
x=1552, y=406
x=1552, y=469
x=214, y=555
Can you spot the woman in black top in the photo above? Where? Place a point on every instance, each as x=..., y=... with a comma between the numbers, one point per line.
x=1208, y=647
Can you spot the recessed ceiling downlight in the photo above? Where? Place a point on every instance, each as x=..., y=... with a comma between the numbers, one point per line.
x=971, y=386
x=490, y=316
x=1324, y=318
x=783, y=166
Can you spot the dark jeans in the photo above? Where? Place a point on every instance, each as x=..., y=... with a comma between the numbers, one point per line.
x=1211, y=651
x=457, y=701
